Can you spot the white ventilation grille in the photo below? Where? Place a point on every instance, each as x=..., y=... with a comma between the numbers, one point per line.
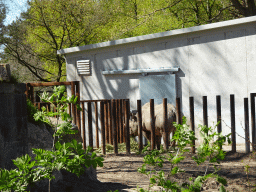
x=83, y=67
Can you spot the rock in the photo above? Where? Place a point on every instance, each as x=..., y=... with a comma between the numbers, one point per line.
x=65, y=181
x=39, y=136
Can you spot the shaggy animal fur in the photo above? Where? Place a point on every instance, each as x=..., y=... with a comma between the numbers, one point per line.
x=159, y=126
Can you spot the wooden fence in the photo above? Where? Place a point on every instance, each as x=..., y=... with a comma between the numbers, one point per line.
x=115, y=114
x=114, y=133
x=74, y=91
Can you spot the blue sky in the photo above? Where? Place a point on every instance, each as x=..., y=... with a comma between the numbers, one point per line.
x=15, y=8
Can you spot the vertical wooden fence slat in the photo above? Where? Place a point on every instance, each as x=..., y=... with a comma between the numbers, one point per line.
x=218, y=106
x=69, y=109
x=103, y=142
x=218, y=109
x=121, y=121
x=139, y=125
x=178, y=107
x=110, y=123
x=178, y=116
x=192, y=120
x=78, y=116
x=37, y=96
x=165, y=133
x=96, y=124
x=124, y=120
x=246, y=125
x=117, y=121
x=127, y=131
x=83, y=126
x=32, y=94
x=205, y=115
x=113, y=110
x=233, y=122
x=106, y=122
x=89, y=109
x=152, y=124
x=253, y=121
x=73, y=106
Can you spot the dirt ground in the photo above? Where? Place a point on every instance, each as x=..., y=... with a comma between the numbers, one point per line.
x=120, y=172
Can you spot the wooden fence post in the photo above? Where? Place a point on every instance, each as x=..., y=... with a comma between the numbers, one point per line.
x=69, y=109
x=178, y=116
x=233, y=122
x=139, y=125
x=218, y=109
x=89, y=109
x=165, y=133
x=253, y=121
x=96, y=124
x=124, y=119
x=152, y=123
x=121, y=123
x=127, y=131
x=106, y=122
x=103, y=142
x=31, y=93
x=192, y=121
x=73, y=106
x=110, y=123
x=205, y=115
x=113, y=108
x=37, y=97
x=83, y=125
x=78, y=116
x=246, y=125
x=117, y=121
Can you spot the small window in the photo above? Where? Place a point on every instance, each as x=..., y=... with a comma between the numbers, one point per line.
x=83, y=67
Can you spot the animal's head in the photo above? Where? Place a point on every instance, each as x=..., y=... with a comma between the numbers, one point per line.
x=133, y=127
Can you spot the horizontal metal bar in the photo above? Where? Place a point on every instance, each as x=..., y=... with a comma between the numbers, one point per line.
x=138, y=71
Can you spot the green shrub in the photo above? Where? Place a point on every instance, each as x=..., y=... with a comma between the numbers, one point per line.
x=68, y=156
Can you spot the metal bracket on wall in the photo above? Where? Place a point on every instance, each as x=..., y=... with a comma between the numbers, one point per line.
x=144, y=72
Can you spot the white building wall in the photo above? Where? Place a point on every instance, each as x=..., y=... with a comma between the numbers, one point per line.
x=218, y=61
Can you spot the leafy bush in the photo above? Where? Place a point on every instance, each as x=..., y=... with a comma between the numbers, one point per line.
x=69, y=156
x=209, y=150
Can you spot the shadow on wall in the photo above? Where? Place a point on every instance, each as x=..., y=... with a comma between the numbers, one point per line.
x=204, y=59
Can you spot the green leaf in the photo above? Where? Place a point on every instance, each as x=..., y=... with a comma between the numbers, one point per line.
x=93, y=155
x=152, y=180
x=59, y=166
x=75, y=100
x=221, y=180
x=58, y=145
x=174, y=170
x=222, y=189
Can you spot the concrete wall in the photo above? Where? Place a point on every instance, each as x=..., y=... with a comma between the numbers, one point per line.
x=214, y=61
x=13, y=123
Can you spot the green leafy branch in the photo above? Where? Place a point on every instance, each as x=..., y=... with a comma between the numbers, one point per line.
x=209, y=150
x=67, y=156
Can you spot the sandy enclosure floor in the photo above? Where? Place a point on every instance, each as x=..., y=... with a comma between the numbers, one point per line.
x=122, y=169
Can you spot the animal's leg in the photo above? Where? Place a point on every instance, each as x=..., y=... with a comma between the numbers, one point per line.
x=147, y=134
x=158, y=142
